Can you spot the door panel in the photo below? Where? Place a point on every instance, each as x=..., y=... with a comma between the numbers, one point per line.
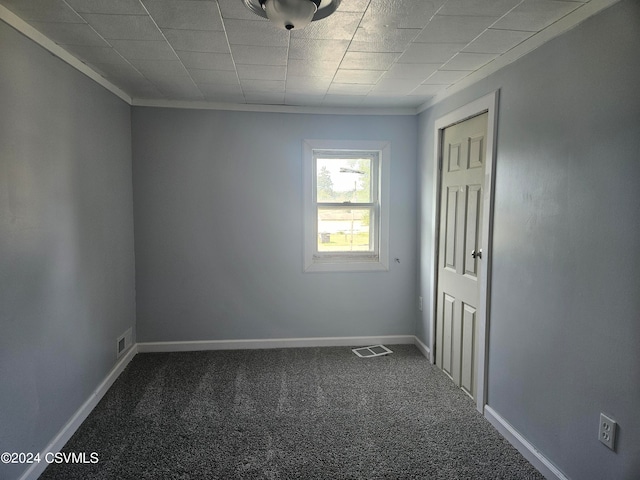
x=471, y=240
x=447, y=333
x=476, y=151
x=461, y=210
x=450, y=238
x=468, y=348
x=453, y=160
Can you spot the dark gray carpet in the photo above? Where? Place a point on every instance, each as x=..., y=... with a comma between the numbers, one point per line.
x=307, y=413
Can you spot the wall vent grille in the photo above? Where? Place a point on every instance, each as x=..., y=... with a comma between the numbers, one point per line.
x=123, y=343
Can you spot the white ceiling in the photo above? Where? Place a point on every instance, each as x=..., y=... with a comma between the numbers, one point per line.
x=370, y=53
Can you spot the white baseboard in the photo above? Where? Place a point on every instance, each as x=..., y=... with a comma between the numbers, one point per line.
x=423, y=348
x=63, y=436
x=190, y=346
x=528, y=451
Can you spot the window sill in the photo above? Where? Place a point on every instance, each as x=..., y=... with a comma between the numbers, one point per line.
x=346, y=265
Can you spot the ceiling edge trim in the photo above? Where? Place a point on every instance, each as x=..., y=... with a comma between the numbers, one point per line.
x=556, y=29
x=244, y=107
x=28, y=31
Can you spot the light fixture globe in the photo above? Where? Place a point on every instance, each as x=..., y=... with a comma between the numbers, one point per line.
x=292, y=14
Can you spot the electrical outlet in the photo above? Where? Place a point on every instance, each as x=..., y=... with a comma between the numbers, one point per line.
x=607, y=431
x=420, y=303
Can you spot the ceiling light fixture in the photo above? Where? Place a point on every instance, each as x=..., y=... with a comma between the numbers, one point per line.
x=292, y=14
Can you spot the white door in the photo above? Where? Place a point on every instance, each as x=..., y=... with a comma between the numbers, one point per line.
x=459, y=251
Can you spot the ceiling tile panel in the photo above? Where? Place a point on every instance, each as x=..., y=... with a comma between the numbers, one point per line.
x=206, y=60
x=534, y=15
x=94, y=55
x=394, y=86
x=497, y=41
x=261, y=72
x=144, y=50
x=176, y=88
x=412, y=71
x=339, y=26
x=349, y=89
x=161, y=68
x=401, y=13
x=185, y=14
x=312, y=68
x=210, y=89
x=303, y=100
x=197, y=40
x=236, y=10
x=430, y=52
x=311, y=85
x=71, y=34
x=265, y=98
x=358, y=76
x=353, y=5
x=382, y=39
x=262, y=86
x=490, y=8
x=223, y=77
x=117, y=7
x=124, y=27
x=310, y=49
x=246, y=32
x=454, y=29
x=129, y=79
x=258, y=55
x=446, y=77
x=468, y=61
x=118, y=72
x=43, y=11
x=381, y=46
x=368, y=60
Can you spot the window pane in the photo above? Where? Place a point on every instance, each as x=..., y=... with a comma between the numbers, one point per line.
x=340, y=180
x=345, y=230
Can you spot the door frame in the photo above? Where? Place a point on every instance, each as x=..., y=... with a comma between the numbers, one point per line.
x=487, y=104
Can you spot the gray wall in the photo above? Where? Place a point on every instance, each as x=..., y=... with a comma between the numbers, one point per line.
x=218, y=229
x=564, y=341
x=66, y=241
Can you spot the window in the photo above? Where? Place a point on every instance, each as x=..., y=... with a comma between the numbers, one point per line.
x=346, y=205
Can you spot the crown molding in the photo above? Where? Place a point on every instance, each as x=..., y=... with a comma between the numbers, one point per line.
x=244, y=107
x=28, y=31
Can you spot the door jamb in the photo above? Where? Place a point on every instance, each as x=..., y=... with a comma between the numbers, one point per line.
x=488, y=104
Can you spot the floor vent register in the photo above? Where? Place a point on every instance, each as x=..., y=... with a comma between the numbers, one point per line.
x=372, y=351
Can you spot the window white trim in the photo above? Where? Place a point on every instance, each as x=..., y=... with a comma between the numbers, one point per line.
x=341, y=262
